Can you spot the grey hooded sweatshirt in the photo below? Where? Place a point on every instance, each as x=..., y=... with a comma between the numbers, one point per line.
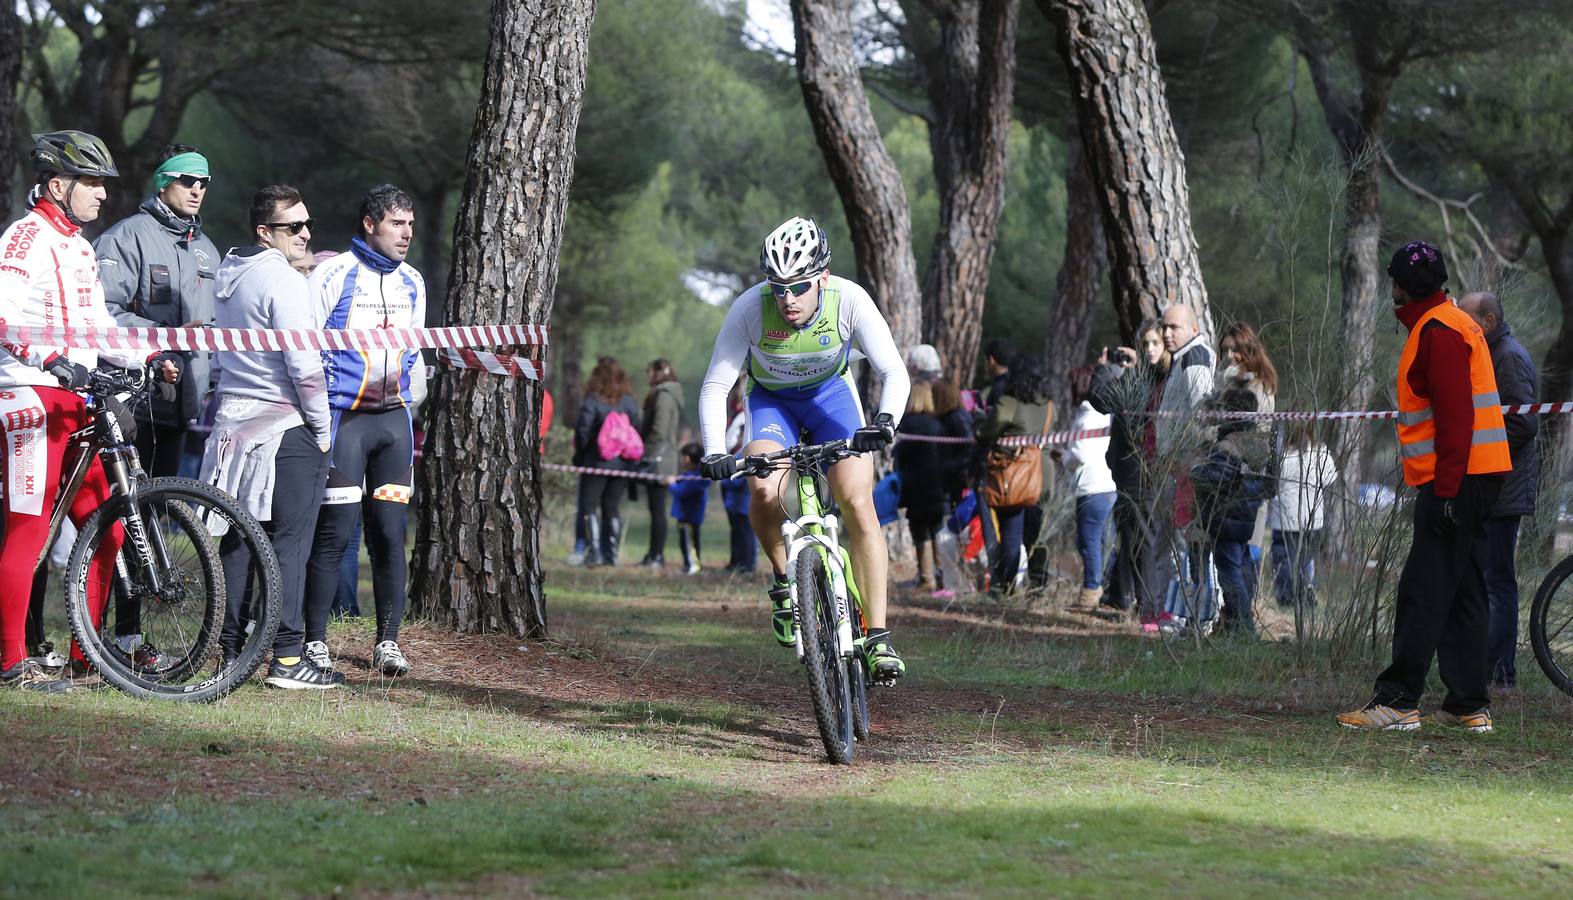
x=257, y=288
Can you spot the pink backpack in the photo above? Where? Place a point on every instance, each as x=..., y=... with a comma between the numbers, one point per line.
x=618, y=438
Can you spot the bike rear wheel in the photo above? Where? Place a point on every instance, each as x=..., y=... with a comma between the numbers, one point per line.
x=1551, y=626
x=184, y=616
x=827, y=672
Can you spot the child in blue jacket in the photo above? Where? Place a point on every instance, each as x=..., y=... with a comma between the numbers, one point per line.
x=690, y=493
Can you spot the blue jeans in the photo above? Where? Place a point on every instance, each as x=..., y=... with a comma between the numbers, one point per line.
x=1501, y=545
x=1092, y=515
x=1294, y=566
x=1233, y=560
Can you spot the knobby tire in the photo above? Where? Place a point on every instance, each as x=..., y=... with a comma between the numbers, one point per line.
x=187, y=502
x=1557, y=670
x=827, y=675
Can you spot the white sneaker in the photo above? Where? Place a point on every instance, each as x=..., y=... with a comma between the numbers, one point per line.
x=317, y=652
x=692, y=569
x=388, y=659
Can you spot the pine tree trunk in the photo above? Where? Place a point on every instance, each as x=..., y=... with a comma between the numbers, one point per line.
x=1134, y=157
x=11, y=178
x=477, y=563
x=971, y=85
x=866, y=178
x=1080, y=278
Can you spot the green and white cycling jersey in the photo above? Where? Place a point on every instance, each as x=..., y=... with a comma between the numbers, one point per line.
x=779, y=357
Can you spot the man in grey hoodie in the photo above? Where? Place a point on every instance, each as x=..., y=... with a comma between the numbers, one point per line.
x=272, y=433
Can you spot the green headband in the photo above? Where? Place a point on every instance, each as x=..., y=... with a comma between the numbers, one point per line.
x=192, y=163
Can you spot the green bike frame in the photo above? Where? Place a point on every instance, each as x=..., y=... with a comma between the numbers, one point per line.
x=815, y=528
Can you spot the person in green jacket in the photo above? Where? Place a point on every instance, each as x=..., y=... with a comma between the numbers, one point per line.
x=663, y=411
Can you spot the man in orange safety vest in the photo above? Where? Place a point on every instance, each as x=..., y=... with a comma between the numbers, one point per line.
x=1453, y=444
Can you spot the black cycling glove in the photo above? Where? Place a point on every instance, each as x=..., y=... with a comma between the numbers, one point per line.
x=72, y=376
x=718, y=466
x=877, y=435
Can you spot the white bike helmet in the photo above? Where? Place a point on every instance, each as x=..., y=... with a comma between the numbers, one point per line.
x=796, y=250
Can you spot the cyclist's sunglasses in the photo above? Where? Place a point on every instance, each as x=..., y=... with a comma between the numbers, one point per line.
x=798, y=289
x=194, y=181
x=293, y=227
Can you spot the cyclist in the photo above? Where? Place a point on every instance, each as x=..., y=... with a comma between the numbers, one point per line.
x=796, y=332
x=49, y=278
x=371, y=395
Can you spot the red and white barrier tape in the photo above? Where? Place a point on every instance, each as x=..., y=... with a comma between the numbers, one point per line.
x=616, y=473
x=496, y=363
x=240, y=340
x=1066, y=437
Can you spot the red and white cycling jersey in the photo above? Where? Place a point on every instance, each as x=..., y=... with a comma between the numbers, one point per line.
x=48, y=277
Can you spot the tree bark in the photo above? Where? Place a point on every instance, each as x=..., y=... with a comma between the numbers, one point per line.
x=477, y=563
x=866, y=178
x=10, y=135
x=1356, y=126
x=1134, y=156
x=1080, y=278
x=971, y=83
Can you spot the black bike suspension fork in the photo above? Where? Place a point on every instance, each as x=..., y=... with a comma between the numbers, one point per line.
x=142, y=537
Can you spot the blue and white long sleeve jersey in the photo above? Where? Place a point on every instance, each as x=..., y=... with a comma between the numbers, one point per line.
x=360, y=288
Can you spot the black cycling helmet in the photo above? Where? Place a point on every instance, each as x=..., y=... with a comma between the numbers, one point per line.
x=74, y=153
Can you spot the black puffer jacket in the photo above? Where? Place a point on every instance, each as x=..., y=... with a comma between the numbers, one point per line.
x=1517, y=382
x=592, y=413
x=1124, y=394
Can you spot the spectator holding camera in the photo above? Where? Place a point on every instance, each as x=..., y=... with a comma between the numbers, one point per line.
x=1127, y=385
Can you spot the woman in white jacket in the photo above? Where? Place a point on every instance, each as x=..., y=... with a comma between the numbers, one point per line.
x=1306, y=477
x=1084, y=460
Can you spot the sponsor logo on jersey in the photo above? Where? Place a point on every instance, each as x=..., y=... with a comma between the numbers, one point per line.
x=824, y=340
x=22, y=240
x=776, y=335
x=774, y=429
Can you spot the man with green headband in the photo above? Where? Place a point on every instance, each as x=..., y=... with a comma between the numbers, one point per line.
x=158, y=269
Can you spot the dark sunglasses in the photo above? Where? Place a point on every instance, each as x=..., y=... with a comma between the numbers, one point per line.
x=798, y=289
x=194, y=181
x=294, y=227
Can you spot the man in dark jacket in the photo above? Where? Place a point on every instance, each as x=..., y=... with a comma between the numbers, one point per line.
x=1517, y=383
x=158, y=270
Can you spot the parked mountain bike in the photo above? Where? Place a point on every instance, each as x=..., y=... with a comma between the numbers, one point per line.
x=826, y=603
x=1551, y=625
x=157, y=635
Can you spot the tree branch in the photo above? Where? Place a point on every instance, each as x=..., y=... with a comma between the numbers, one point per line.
x=1444, y=204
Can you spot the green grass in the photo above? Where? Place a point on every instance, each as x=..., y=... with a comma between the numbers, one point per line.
x=661, y=745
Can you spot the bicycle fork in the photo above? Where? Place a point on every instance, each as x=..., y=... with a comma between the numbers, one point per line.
x=799, y=538
x=145, y=540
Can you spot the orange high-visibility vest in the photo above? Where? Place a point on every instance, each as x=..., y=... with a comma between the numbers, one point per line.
x=1488, y=451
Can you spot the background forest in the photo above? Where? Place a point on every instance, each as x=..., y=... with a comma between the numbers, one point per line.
x=694, y=141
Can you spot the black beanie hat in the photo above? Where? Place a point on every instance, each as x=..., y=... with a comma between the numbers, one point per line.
x=1418, y=268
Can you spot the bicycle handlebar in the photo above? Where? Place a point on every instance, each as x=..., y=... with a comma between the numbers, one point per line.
x=801, y=455
x=104, y=383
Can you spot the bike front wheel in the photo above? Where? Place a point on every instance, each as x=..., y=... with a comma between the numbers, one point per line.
x=1551, y=626
x=827, y=673
x=170, y=592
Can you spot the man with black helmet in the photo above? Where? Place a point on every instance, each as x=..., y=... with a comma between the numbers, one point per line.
x=49, y=278
x=795, y=333
x=1452, y=440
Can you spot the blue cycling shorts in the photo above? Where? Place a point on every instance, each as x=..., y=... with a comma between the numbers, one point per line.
x=828, y=411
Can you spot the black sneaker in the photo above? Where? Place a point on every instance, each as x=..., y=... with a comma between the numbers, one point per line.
x=28, y=675
x=302, y=676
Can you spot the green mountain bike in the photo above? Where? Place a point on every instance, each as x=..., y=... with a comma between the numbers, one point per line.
x=826, y=603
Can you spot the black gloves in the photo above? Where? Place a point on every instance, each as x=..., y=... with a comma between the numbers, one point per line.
x=72, y=376
x=718, y=466
x=875, y=436
x=166, y=388
x=1441, y=513
x=156, y=363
